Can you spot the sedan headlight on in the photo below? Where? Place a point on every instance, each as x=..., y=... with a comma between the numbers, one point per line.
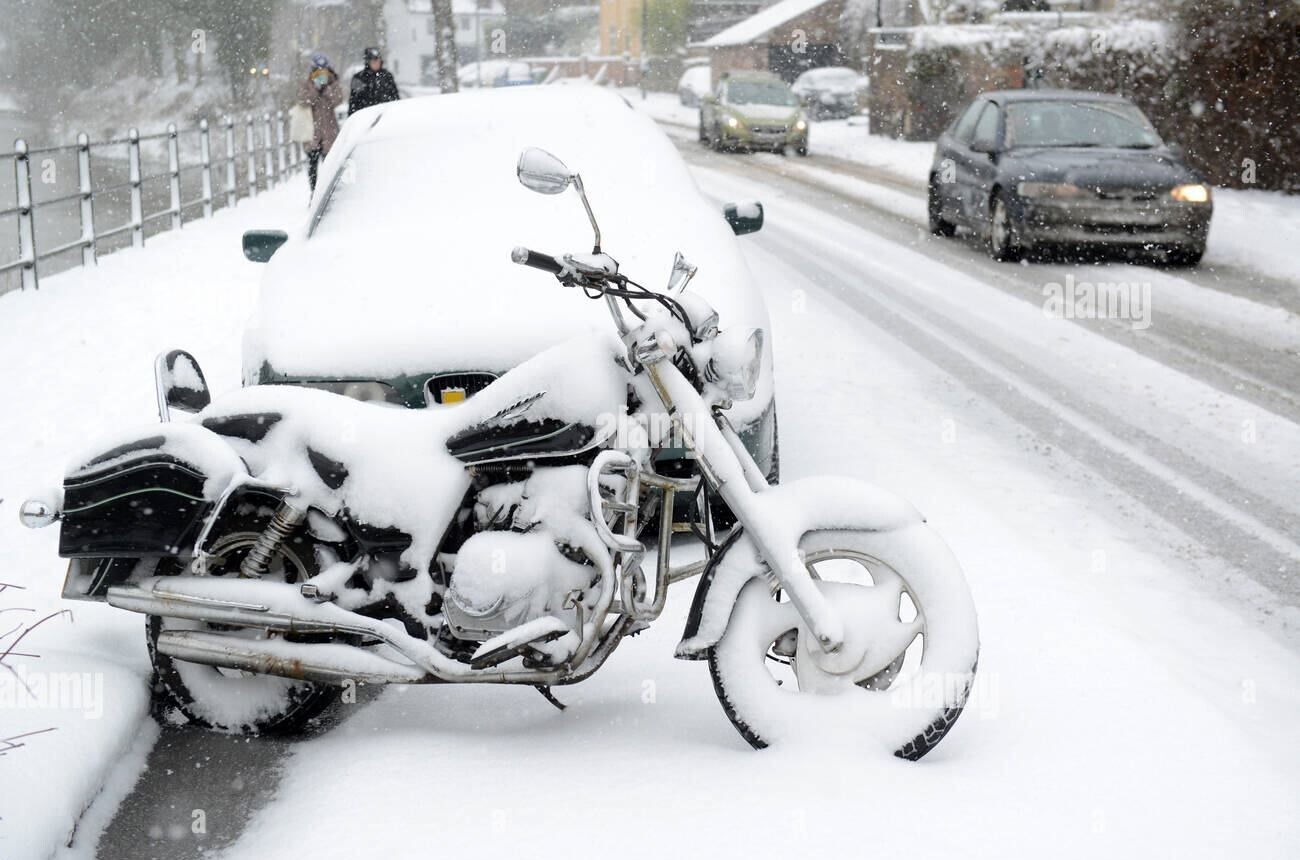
x=737, y=359
x=800, y=125
x=1191, y=194
x=732, y=122
x=1050, y=190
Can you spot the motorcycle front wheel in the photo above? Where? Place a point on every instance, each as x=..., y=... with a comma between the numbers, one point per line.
x=908, y=661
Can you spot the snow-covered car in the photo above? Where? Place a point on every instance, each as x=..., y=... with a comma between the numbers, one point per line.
x=694, y=85
x=495, y=73
x=400, y=287
x=830, y=92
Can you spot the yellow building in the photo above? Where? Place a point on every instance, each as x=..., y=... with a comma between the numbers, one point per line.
x=620, y=27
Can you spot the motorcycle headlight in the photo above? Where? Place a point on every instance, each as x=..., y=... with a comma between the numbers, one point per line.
x=737, y=359
x=1057, y=190
x=1191, y=194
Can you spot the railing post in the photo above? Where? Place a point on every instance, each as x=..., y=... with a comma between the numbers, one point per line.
x=231, y=188
x=252, y=159
x=174, y=174
x=280, y=155
x=85, y=188
x=26, y=217
x=133, y=176
x=269, y=153
x=205, y=159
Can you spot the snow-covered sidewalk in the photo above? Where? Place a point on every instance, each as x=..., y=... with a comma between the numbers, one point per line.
x=77, y=360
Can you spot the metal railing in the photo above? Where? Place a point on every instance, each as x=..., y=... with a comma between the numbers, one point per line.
x=278, y=159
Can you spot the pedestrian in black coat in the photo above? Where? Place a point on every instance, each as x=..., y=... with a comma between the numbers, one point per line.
x=372, y=85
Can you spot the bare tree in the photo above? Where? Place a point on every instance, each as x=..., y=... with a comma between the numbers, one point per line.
x=448, y=63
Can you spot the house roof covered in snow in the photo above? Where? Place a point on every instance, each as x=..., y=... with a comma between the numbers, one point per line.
x=756, y=27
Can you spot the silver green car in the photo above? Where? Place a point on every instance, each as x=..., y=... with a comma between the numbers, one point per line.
x=753, y=110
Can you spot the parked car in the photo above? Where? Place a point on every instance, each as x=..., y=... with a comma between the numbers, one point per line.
x=400, y=287
x=495, y=73
x=694, y=85
x=753, y=110
x=831, y=92
x=1030, y=168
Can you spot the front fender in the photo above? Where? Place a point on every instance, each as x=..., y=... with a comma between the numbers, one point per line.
x=789, y=511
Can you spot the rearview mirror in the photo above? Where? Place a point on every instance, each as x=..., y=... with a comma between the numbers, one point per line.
x=180, y=383
x=542, y=172
x=261, y=245
x=744, y=217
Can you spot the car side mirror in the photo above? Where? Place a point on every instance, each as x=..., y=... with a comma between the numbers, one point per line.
x=1177, y=151
x=180, y=383
x=744, y=217
x=984, y=146
x=261, y=245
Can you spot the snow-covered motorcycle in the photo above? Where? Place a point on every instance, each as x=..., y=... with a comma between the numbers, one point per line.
x=285, y=542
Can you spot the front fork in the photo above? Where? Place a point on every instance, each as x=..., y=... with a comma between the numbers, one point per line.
x=732, y=473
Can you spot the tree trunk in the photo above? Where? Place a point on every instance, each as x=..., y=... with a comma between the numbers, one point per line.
x=448, y=63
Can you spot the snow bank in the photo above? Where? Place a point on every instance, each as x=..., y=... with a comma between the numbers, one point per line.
x=77, y=361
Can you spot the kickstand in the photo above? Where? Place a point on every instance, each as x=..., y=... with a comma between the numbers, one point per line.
x=549, y=696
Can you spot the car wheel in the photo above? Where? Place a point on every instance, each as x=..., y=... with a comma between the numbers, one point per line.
x=801, y=151
x=1003, y=245
x=934, y=208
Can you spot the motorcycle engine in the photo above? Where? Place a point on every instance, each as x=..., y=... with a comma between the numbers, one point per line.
x=536, y=555
x=504, y=578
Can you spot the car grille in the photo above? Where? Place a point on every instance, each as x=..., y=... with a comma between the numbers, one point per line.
x=472, y=382
x=1133, y=195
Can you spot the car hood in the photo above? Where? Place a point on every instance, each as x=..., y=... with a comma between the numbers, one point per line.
x=409, y=272
x=1093, y=167
x=779, y=113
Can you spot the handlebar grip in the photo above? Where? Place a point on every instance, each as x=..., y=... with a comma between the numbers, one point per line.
x=536, y=260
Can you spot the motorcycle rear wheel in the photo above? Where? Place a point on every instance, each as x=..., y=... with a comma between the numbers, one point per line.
x=906, y=669
x=228, y=700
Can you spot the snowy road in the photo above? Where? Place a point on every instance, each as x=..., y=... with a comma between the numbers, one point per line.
x=1193, y=412
x=1124, y=500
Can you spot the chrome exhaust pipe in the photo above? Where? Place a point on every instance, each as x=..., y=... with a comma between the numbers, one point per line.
x=329, y=663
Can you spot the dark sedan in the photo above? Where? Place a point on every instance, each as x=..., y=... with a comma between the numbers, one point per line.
x=1031, y=168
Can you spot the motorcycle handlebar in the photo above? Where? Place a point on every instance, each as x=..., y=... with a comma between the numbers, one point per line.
x=536, y=260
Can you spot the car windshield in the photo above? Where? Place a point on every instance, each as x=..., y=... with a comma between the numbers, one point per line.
x=760, y=93
x=1064, y=123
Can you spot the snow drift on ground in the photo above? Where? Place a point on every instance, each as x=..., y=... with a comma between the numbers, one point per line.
x=77, y=359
